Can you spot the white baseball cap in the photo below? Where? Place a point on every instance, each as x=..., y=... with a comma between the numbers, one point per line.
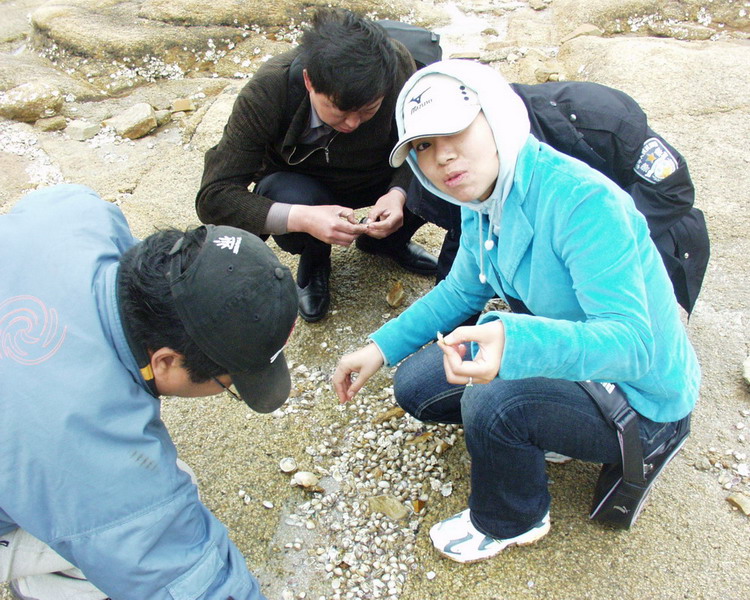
x=437, y=104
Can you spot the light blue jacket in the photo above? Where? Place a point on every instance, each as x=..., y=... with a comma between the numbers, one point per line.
x=86, y=464
x=572, y=246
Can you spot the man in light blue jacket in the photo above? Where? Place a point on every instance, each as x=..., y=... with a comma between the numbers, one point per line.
x=94, y=327
x=568, y=251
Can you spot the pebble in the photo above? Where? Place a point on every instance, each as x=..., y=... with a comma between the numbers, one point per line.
x=741, y=501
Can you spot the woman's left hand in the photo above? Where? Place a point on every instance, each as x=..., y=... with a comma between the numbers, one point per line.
x=490, y=338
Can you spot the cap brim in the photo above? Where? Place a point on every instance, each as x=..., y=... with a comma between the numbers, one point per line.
x=399, y=153
x=265, y=391
x=403, y=146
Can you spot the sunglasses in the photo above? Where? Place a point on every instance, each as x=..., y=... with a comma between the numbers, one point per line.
x=227, y=389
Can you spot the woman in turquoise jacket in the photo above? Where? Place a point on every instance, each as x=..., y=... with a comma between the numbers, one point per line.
x=567, y=249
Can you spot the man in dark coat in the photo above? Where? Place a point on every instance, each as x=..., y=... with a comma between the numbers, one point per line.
x=313, y=130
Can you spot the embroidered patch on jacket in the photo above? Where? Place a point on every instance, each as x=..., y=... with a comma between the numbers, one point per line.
x=656, y=162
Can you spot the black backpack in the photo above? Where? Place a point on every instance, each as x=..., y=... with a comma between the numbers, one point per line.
x=422, y=44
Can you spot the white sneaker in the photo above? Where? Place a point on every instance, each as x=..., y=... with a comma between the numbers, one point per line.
x=457, y=538
x=554, y=457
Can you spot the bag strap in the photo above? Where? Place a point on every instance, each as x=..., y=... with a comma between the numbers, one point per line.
x=615, y=407
x=616, y=410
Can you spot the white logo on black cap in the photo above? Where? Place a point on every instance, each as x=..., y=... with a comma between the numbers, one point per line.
x=276, y=354
x=229, y=242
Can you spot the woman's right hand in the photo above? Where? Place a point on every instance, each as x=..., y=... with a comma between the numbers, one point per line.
x=484, y=367
x=365, y=362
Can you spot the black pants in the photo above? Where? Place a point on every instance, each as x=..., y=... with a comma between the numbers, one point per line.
x=295, y=188
x=441, y=213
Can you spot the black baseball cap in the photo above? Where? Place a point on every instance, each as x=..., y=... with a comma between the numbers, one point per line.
x=238, y=303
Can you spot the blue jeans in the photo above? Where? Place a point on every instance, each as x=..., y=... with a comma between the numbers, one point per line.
x=508, y=425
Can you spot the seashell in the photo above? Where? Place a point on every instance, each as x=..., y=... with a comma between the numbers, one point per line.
x=288, y=465
x=305, y=479
x=396, y=412
x=420, y=439
x=388, y=505
x=395, y=295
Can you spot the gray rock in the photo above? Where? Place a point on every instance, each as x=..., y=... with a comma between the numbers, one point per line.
x=539, y=4
x=31, y=101
x=208, y=132
x=55, y=123
x=178, y=35
x=163, y=117
x=681, y=31
x=25, y=66
x=16, y=19
x=137, y=121
x=586, y=29
x=82, y=130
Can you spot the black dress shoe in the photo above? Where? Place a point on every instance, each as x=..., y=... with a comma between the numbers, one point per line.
x=314, y=298
x=410, y=256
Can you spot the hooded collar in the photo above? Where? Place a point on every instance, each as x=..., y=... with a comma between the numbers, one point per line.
x=509, y=120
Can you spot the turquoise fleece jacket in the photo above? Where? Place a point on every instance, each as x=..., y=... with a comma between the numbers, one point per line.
x=572, y=246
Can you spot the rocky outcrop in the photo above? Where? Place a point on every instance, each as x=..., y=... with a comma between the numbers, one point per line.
x=27, y=67
x=686, y=19
x=661, y=74
x=144, y=40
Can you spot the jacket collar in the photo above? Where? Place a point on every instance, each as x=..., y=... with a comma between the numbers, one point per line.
x=134, y=357
x=516, y=231
x=298, y=104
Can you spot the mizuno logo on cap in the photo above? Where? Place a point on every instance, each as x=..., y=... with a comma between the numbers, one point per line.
x=418, y=99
